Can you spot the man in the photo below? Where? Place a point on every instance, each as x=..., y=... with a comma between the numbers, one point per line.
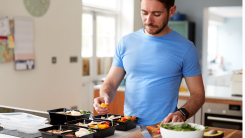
x=154, y=59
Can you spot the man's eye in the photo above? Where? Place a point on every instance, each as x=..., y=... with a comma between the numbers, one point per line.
x=157, y=15
x=144, y=13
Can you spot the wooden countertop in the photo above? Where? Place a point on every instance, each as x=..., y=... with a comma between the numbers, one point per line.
x=228, y=133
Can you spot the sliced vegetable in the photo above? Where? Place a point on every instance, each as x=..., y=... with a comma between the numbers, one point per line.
x=158, y=131
x=133, y=118
x=100, y=126
x=70, y=135
x=104, y=105
x=127, y=118
x=150, y=128
x=90, y=130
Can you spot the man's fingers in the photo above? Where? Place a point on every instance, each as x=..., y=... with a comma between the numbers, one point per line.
x=168, y=118
x=107, y=100
x=175, y=118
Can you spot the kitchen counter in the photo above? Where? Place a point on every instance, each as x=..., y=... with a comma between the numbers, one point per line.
x=117, y=133
x=136, y=133
x=211, y=92
x=228, y=133
x=45, y=114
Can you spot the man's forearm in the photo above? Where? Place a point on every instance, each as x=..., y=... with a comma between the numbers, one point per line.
x=108, y=90
x=194, y=103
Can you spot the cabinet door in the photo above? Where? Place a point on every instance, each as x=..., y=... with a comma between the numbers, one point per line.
x=117, y=106
x=179, y=26
x=180, y=104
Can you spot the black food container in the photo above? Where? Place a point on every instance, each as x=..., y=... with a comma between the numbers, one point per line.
x=73, y=133
x=46, y=134
x=101, y=133
x=58, y=118
x=123, y=126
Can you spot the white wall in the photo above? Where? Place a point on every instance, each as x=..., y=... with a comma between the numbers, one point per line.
x=137, y=17
x=48, y=86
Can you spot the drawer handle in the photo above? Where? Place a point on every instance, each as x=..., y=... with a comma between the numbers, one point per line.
x=224, y=119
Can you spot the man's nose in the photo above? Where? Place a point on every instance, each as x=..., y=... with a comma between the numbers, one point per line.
x=149, y=19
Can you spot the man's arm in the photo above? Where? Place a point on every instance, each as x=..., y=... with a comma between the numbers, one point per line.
x=109, y=88
x=194, y=103
x=111, y=83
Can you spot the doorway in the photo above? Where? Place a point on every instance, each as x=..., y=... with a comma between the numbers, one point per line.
x=222, y=44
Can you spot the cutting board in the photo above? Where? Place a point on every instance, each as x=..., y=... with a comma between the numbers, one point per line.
x=228, y=133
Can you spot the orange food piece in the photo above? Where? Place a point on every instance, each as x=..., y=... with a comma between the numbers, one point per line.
x=133, y=118
x=104, y=105
x=93, y=126
x=150, y=128
x=103, y=126
x=128, y=117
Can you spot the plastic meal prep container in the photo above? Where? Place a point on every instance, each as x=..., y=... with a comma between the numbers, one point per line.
x=58, y=118
x=123, y=126
x=46, y=134
x=22, y=122
x=101, y=133
x=85, y=136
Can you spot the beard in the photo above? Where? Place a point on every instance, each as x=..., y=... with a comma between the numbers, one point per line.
x=158, y=28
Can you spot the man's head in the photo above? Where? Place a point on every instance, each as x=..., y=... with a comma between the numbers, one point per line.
x=155, y=15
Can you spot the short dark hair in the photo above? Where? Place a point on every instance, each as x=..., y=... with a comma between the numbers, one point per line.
x=166, y=3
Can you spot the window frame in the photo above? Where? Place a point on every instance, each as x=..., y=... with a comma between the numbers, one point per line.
x=93, y=63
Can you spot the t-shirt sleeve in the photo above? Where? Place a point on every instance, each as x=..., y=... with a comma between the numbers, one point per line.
x=191, y=65
x=117, y=61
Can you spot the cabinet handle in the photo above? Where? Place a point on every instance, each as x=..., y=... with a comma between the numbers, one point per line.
x=224, y=119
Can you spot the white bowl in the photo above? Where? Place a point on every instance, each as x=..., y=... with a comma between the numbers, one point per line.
x=166, y=133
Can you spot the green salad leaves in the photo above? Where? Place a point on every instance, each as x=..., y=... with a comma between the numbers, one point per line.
x=180, y=127
x=84, y=112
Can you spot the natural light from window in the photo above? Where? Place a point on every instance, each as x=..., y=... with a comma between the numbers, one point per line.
x=111, y=4
x=87, y=35
x=212, y=42
x=105, y=36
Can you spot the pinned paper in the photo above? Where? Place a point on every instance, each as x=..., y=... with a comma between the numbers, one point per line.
x=11, y=42
x=6, y=54
x=24, y=64
x=4, y=26
x=23, y=40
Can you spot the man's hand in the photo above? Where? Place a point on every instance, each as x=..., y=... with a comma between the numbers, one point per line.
x=97, y=105
x=174, y=117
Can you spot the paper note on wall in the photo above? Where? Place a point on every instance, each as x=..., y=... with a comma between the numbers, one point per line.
x=23, y=38
x=24, y=64
x=6, y=54
x=11, y=42
x=4, y=26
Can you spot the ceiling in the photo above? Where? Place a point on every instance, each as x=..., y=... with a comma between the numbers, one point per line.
x=227, y=12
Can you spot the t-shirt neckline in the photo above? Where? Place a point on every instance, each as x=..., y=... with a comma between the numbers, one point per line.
x=156, y=37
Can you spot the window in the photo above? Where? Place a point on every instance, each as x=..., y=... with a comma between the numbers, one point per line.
x=105, y=4
x=98, y=36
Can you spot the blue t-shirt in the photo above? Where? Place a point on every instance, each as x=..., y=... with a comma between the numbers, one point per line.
x=154, y=69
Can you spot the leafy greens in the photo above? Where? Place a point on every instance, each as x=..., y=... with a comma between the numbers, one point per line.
x=179, y=127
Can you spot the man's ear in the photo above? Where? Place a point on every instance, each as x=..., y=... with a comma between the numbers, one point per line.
x=172, y=11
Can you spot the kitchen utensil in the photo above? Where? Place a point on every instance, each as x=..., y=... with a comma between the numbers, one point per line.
x=145, y=132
